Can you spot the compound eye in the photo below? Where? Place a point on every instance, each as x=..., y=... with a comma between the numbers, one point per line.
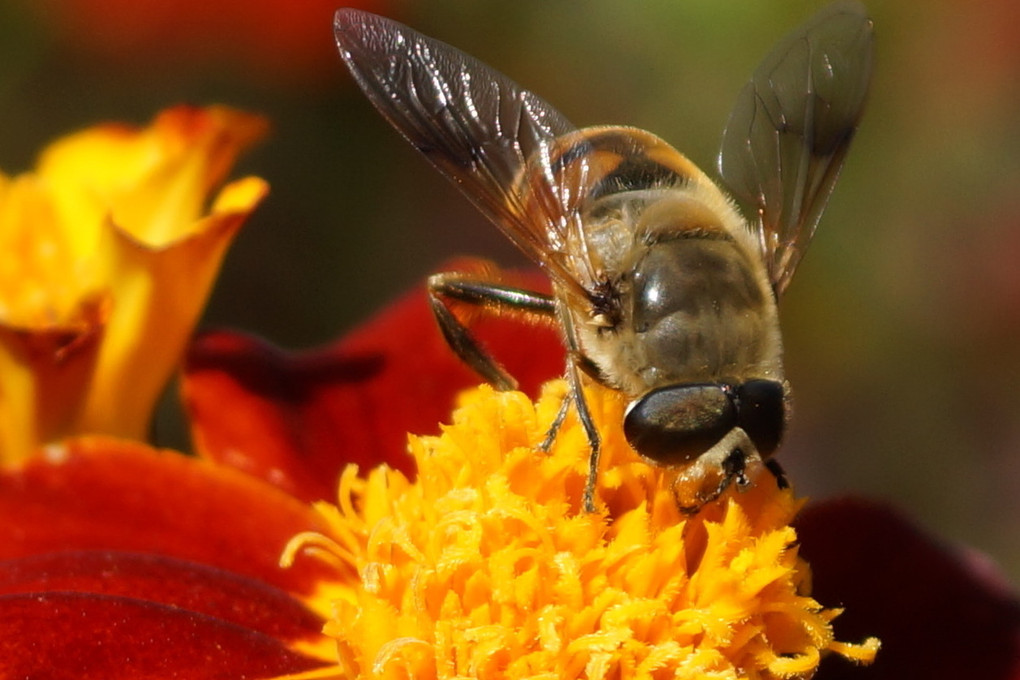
x=676, y=424
x=762, y=413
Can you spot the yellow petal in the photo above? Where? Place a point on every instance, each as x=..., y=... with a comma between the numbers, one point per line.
x=158, y=294
x=152, y=182
x=42, y=281
x=111, y=244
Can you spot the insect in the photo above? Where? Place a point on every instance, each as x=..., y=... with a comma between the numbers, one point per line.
x=662, y=289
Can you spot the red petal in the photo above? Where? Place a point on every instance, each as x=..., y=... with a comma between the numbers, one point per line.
x=110, y=494
x=297, y=419
x=82, y=636
x=938, y=613
x=198, y=588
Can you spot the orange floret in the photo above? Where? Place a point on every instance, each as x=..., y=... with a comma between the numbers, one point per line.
x=486, y=566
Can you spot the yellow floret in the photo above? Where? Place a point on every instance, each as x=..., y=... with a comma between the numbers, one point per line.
x=486, y=565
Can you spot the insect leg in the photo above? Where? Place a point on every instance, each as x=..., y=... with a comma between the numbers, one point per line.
x=593, y=437
x=583, y=413
x=773, y=466
x=561, y=415
x=448, y=289
x=726, y=463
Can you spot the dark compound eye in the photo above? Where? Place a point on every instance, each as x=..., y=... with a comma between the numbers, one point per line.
x=676, y=424
x=761, y=413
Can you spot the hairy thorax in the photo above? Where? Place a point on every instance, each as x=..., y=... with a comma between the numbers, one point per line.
x=691, y=301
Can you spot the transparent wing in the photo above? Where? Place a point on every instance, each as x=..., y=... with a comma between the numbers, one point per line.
x=789, y=131
x=477, y=126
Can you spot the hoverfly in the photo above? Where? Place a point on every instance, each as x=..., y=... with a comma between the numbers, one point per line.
x=663, y=291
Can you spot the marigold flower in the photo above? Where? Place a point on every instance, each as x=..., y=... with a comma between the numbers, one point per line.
x=120, y=561
x=107, y=253
x=486, y=566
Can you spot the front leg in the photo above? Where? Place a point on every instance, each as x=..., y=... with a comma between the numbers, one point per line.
x=706, y=478
x=472, y=294
x=576, y=362
x=449, y=290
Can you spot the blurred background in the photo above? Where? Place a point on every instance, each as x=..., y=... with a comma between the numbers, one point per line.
x=902, y=325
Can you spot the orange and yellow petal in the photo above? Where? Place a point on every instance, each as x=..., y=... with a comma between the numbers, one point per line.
x=158, y=295
x=152, y=183
x=111, y=246
x=486, y=566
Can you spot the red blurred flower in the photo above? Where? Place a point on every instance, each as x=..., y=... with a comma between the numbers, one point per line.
x=941, y=611
x=267, y=37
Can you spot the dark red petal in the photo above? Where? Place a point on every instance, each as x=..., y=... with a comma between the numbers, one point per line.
x=159, y=579
x=100, y=493
x=296, y=419
x=939, y=612
x=83, y=636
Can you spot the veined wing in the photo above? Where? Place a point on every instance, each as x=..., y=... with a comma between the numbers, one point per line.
x=790, y=129
x=478, y=127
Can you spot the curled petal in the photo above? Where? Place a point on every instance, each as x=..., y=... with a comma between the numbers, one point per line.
x=109, y=248
x=153, y=182
x=160, y=294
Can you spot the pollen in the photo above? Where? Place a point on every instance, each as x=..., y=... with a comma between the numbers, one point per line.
x=487, y=566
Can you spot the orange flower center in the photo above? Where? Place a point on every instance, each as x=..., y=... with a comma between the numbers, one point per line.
x=486, y=566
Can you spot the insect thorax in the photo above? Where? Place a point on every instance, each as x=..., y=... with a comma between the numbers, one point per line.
x=691, y=295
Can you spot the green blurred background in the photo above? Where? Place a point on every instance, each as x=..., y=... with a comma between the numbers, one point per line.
x=901, y=326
